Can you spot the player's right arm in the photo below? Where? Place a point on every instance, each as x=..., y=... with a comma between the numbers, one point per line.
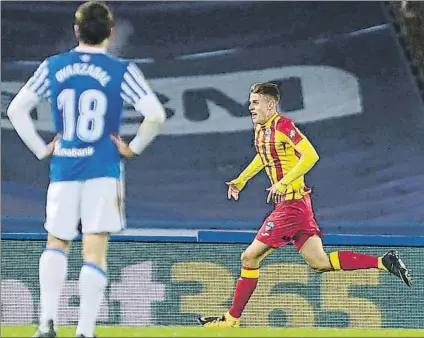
x=136, y=91
x=236, y=185
x=35, y=89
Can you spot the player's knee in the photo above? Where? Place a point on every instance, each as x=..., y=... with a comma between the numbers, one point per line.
x=94, y=249
x=249, y=260
x=57, y=243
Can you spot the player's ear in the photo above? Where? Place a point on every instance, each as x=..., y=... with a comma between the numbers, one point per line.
x=76, y=31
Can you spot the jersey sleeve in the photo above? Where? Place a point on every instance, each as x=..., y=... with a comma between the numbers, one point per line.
x=38, y=86
x=292, y=134
x=251, y=170
x=35, y=89
x=301, y=144
x=136, y=91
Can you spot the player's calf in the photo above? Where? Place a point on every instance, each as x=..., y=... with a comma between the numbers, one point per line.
x=53, y=267
x=246, y=285
x=92, y=282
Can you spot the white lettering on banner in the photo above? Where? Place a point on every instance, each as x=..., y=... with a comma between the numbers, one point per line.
x=136, y=292
x=17, y=306
x=326, y=92
x=68, y=312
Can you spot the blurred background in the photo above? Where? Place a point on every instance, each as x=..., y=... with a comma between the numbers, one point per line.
x=349, y=75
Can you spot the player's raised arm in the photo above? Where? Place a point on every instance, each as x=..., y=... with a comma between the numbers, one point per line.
x=308, y=154
x=136, y=91
x=36, y=88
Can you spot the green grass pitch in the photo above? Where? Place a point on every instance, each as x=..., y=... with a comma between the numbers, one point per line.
x=113, y=331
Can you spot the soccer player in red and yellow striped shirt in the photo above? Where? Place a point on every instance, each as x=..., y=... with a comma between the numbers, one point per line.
x=287, y=155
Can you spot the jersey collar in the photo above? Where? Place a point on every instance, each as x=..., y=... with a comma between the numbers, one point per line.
x=271, y=120
x=87, y=49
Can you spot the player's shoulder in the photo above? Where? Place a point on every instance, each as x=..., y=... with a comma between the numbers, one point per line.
x=56, y=59
x=51, y=59
x=287, y=127
x=284, y=124
x=60, y=56
x=117, y=60
x=116, y=63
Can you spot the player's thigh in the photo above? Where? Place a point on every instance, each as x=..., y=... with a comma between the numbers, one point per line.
x=101, y=206
x=306, y=226
x=313, y=253
x=63, y=209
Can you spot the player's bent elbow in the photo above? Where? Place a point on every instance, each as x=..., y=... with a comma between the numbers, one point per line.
x=12, y=110
x=151, y=109
x=161, y=115
x=157, y=115
x=315, y=157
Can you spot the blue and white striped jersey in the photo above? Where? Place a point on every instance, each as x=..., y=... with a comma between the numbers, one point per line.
x=86, y=88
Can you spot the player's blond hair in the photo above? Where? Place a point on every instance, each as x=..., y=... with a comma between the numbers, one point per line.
x=266, y=88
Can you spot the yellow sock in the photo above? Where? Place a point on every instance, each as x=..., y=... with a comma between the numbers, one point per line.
x=380, y=264
x=249, y=273
x=335, y=261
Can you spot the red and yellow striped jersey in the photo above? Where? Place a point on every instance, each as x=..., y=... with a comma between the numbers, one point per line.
x=280, y=146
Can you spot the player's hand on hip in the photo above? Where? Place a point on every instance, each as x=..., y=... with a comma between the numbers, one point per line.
x=276, y=193
x=123, y=147
x=233, y=191
x=51, y=145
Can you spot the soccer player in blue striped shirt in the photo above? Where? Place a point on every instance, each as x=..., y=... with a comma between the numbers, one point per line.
x=86, y=88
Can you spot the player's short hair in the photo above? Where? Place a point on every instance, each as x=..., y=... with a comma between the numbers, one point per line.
x=95, y=22
x=266, y=88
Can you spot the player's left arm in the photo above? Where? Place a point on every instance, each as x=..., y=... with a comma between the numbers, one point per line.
x=35, y=89
x=308, y=154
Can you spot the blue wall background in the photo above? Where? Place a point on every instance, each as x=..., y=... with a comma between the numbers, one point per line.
x=369, y=179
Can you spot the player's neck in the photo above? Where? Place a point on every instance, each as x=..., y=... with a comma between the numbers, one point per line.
x=269, y=116
x=102, y=46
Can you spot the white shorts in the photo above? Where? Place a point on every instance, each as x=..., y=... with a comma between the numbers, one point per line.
x=98, y=203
